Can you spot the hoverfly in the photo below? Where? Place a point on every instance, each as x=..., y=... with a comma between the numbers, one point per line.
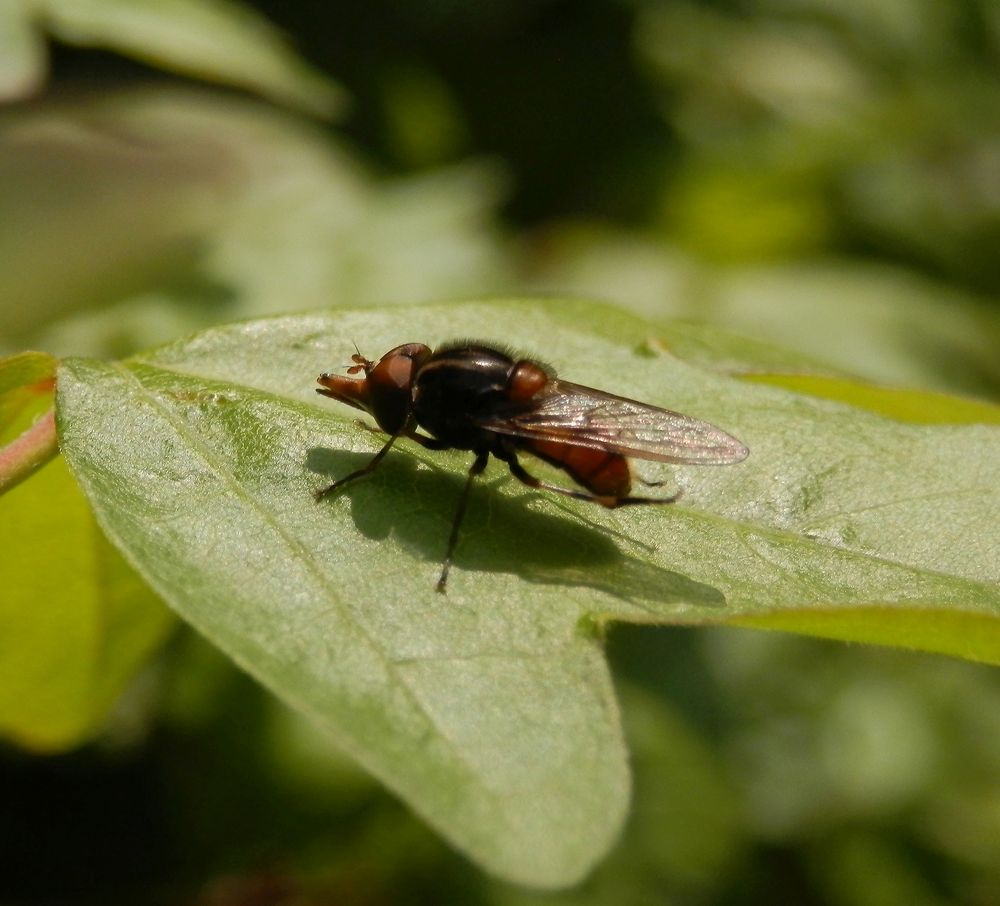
x=470, y=396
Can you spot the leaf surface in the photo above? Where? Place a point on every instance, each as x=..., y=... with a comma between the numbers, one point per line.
x=490, y=710
x=75, y=621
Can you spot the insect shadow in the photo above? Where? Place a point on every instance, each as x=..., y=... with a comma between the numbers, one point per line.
x=501, y=533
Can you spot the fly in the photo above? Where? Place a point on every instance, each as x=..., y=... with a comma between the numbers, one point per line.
x=470, y=396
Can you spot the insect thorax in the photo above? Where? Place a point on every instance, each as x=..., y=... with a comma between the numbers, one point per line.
x=457, y=385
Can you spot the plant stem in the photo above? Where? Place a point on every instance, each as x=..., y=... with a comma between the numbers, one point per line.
x=33, y=449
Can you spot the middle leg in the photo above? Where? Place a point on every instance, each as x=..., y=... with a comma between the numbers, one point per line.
x=475, y=469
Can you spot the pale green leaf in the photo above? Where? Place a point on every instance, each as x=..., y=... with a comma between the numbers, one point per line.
x=26, y=444
x=75, y=621
x=22, y=50
x=175, y=209
x=218, y=40
x=23, y=377
x=24, y=370
x=827, y=316
x=922, y=407
x=490, y=709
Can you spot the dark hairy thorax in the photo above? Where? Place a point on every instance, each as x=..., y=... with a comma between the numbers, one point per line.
x=454, y=387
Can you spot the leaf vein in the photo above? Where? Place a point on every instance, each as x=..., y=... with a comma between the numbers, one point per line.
x=299, y=551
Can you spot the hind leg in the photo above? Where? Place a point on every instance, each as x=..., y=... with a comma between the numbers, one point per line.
x=608, y=500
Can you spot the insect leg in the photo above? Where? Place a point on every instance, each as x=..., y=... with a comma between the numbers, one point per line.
x=518, y=471
x=629, y=501
x=359, y=473
x=475, y=469
x=429, y=443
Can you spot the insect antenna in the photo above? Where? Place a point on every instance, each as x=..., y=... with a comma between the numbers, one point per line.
x=360, y=363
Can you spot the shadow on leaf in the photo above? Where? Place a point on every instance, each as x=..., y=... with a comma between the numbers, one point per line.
x=501, y=533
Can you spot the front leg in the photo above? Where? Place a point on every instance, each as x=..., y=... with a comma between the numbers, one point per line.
x=320, y=493
x=428, y=443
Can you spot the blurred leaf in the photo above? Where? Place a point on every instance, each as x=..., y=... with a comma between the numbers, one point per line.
x=423, y=121
x=863, y=868
x=684, y=832
x=22, y=50
x=884, y=324
x=685, y=826
x=731, y=213
x=857, y=125
x=174, y=209
x=217, y=40
x=919, y=407
x=75, y=621
x=709, y=346
x=315, y=231
x=490, y=710
x=830, y=317
x=25, y=369
x=827, y=741
x=25, y=379
x=123, y=187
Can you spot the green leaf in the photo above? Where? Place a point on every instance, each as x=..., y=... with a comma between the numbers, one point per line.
x=684, y=831
x=239, y=213
x=24, y=378
x=25, y=369
x=823, y=316
x=217, y=40
x=490, y=709
x=22, y=51
x=75, y=621
x=922, y=407
x=710, y=346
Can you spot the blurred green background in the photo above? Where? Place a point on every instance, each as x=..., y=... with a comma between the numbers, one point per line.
x=821, y=176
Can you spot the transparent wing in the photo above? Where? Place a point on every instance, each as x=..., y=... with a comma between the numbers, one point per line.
x=583, y=417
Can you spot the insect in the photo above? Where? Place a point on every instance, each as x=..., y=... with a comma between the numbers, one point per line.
x=471, y=396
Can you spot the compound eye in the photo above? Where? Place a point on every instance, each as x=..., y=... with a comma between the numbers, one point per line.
x=396, y=370
x=391, y=381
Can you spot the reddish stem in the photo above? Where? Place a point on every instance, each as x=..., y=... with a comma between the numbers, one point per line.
x=26, y=455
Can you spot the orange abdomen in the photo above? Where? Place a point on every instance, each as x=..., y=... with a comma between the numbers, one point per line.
x=600, y=472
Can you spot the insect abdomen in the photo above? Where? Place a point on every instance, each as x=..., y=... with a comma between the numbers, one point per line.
x=600, y=472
